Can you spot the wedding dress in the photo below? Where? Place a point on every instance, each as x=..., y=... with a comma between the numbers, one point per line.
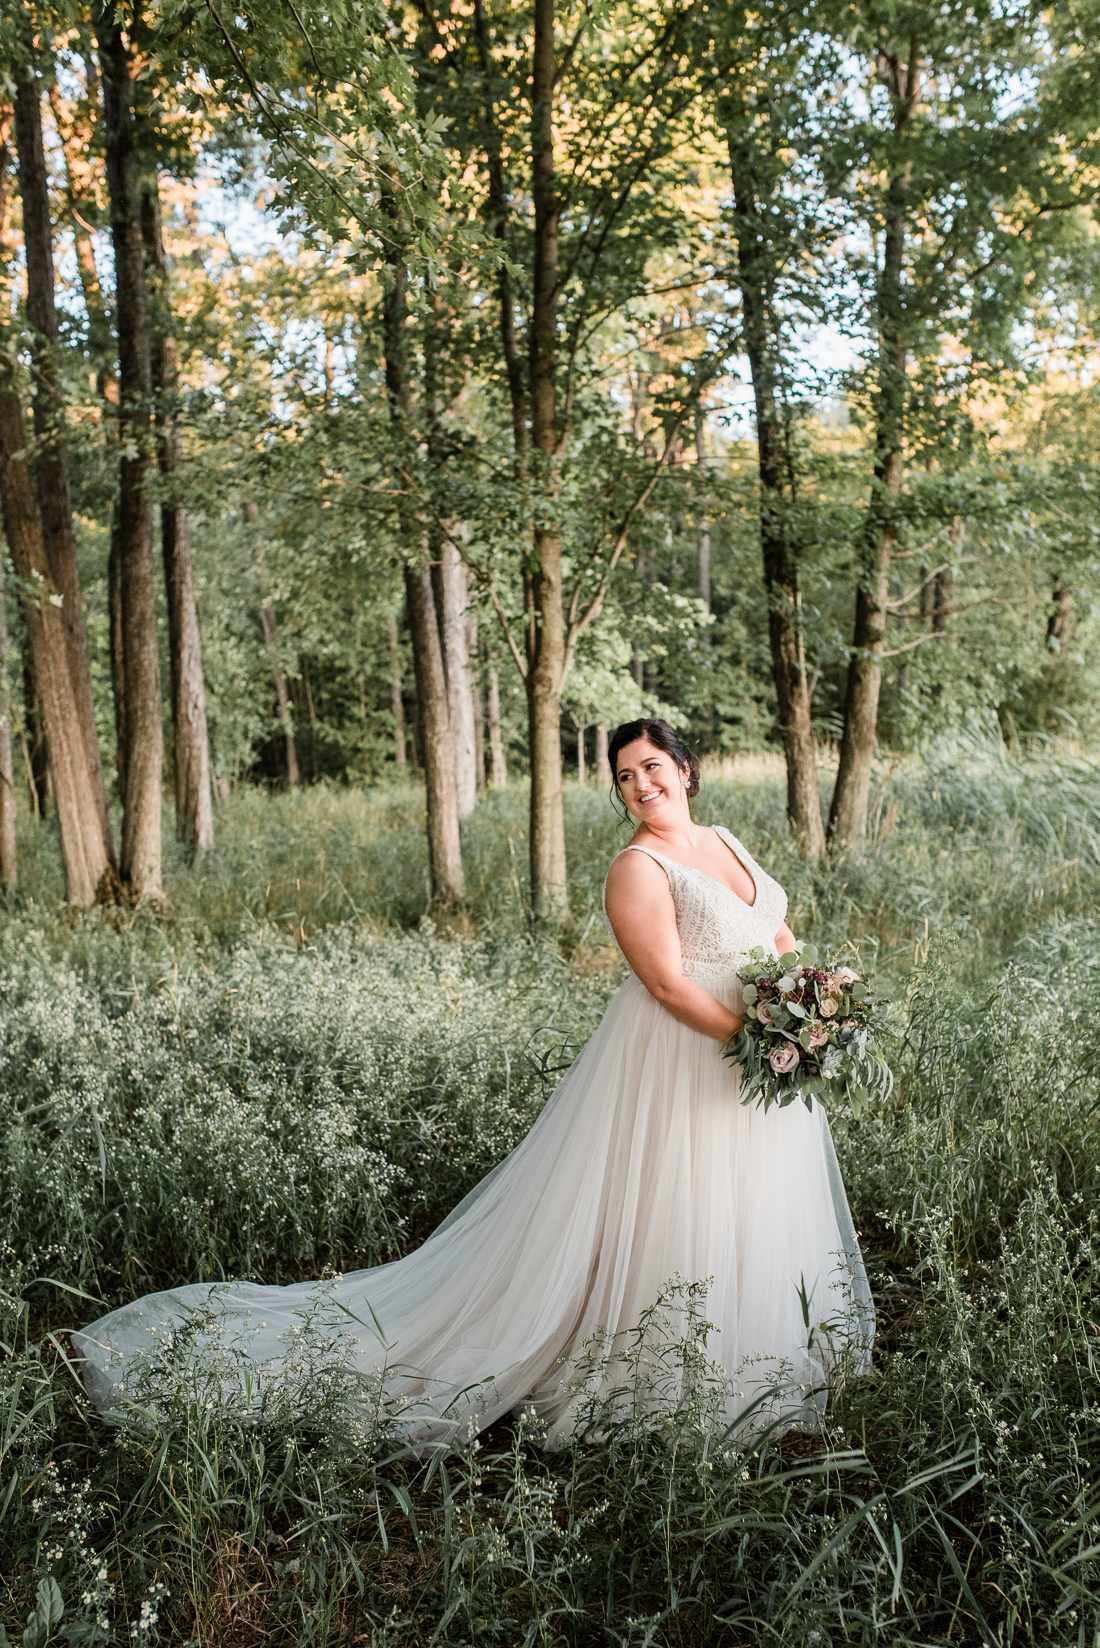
x=642, y=1167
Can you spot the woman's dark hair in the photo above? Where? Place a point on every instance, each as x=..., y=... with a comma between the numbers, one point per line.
x=662, y=737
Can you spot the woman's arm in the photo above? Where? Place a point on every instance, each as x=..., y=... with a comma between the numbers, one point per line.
x=643, y=919
x=785, y=941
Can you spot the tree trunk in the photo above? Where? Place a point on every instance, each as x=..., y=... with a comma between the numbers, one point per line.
x=270, y=627
x=498, y=772
x=477, y=709
x=194, y=804
x=397, y=702
x=456, y=662
x=144, y=734
x=444, y=854
x=118, y=652
x=546, y=635
x=34, y=735
x=88, y=869
x=603, y=765
x=8, y=860
x=941, y=601
x=51, y=464
x=848, y=815
x=782, y=578
x=286, y=719
x=580, y=754
x=941, y=593
x=702, y=529
x=544, y=626
x=1061, y=621
x=437, y=754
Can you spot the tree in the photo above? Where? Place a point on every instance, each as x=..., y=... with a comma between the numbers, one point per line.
x=959, y=196
x=51, y=463
x=142, y=738
x=88, y=869
x=582, y=233
x=194, y=811
x=760, y=110
x=901, y=72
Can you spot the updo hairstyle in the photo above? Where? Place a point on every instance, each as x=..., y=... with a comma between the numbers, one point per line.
x=662, y=737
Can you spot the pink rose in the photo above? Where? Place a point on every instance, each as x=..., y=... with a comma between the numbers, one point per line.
x=844, y=975
x=784, y=1059
x=764, y=1014
x=829, y=1007
x=818, y=1035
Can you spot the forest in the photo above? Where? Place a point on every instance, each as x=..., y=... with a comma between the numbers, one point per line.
x=393, y=400
x=738, y=367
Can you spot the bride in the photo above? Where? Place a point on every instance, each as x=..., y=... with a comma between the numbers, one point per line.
x=643, y=1166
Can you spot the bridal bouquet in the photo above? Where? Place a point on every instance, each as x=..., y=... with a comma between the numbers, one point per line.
x=807, y=1031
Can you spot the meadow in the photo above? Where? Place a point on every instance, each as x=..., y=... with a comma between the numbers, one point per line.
x=292, y=1068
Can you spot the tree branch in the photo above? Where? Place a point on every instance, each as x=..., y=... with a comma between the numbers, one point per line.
x=579, y=621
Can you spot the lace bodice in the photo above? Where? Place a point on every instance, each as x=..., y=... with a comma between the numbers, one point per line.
x=717, y=928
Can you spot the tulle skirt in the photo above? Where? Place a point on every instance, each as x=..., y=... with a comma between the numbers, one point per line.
x=643, y=1170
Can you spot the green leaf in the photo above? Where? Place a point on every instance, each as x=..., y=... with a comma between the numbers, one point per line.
x=788, y=959
x=749, y=994
x=51, y=1604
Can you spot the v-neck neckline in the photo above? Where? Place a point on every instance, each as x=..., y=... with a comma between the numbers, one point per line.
x=716, y=830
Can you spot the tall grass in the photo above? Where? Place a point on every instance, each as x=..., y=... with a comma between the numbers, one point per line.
x=283, y=1079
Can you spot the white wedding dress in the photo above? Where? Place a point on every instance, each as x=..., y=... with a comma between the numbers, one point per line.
x=642, y=1167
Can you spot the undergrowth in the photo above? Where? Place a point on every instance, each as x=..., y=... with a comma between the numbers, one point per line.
x=258, y=1087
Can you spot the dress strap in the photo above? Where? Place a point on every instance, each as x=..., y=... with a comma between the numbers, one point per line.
x=738, y=848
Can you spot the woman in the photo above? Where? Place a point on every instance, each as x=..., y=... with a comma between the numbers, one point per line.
x=643, y=1166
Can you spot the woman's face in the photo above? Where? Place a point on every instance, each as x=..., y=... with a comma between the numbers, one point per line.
x=651, y=784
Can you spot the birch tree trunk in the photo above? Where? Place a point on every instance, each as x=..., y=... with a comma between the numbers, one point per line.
x=51, y=464
x=140, y=863
x=848, y=815
x=88, y=869
x=194, y=804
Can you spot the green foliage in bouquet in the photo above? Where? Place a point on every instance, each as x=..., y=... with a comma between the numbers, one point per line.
x=808, y=1031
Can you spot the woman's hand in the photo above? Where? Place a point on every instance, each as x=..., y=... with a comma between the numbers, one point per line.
x=643, y=919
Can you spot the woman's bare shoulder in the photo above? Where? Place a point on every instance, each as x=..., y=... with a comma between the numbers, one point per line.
x=635, y=872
